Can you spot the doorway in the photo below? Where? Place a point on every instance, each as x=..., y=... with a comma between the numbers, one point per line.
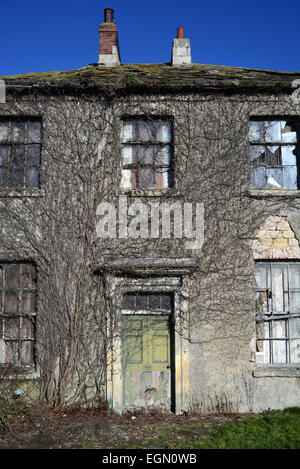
x=148, y=366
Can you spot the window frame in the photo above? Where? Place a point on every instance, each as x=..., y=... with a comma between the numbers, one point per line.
x=264, y=143
x=25, y=142
x=270, y=317
x=155, y=143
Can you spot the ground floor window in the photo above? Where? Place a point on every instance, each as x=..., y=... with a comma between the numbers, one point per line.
x=17, y=313
x=277, y=312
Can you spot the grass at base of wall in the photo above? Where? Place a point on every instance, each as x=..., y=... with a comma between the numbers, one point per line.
x=269, y=430
x=38, y=426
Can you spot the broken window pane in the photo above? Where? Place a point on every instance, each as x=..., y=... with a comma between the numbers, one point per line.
x=272, y=131
x=273, y=178
x=289, y=155
x=276, y=157
x=273, y=156
x=256, y=131
x=288, y=132
x=258, y=177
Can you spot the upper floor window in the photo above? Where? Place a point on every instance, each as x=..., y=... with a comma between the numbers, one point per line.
x=17, y=314
x=20, y=152
x=147, y=154
x=277, y=313
x=273, y=153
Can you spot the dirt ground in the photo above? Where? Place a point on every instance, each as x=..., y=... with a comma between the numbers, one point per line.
x=42, y=428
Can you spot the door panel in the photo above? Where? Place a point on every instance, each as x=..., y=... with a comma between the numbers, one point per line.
x=146, y=362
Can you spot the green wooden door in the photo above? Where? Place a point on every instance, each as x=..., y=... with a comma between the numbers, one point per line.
x=146, y=362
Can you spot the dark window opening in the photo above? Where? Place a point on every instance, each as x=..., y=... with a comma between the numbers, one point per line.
x=20, y=153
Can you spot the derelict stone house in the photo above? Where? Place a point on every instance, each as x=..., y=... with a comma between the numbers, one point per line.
x=150, y=231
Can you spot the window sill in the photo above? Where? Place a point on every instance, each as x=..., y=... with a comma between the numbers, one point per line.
x=262, y=193
x=19, y=373
x=148, y=192
x=277, y=371
x=5, y=192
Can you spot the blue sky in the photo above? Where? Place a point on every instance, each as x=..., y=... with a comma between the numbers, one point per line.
x=62, y=35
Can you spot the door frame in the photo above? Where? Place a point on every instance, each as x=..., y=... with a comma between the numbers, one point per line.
x=115, y=287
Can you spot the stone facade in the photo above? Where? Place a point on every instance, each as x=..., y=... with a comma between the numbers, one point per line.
x=82, y=276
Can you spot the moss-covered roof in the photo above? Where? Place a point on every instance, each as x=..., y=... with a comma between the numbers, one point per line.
x=196, y=76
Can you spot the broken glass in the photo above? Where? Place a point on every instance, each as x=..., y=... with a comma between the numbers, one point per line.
x=288, y=155
x=288, y=132
x=272, y=131
x=256, y=131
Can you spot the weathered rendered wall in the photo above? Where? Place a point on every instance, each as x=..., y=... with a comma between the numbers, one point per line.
x=81, y=166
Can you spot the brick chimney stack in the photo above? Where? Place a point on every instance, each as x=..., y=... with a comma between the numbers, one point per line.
x=109, y=52
x=181, y=50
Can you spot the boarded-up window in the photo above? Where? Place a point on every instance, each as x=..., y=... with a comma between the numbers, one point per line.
x=147, y=154
x=17, y=313
x=278, y=312
x=274, y=154
x=20, y=151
